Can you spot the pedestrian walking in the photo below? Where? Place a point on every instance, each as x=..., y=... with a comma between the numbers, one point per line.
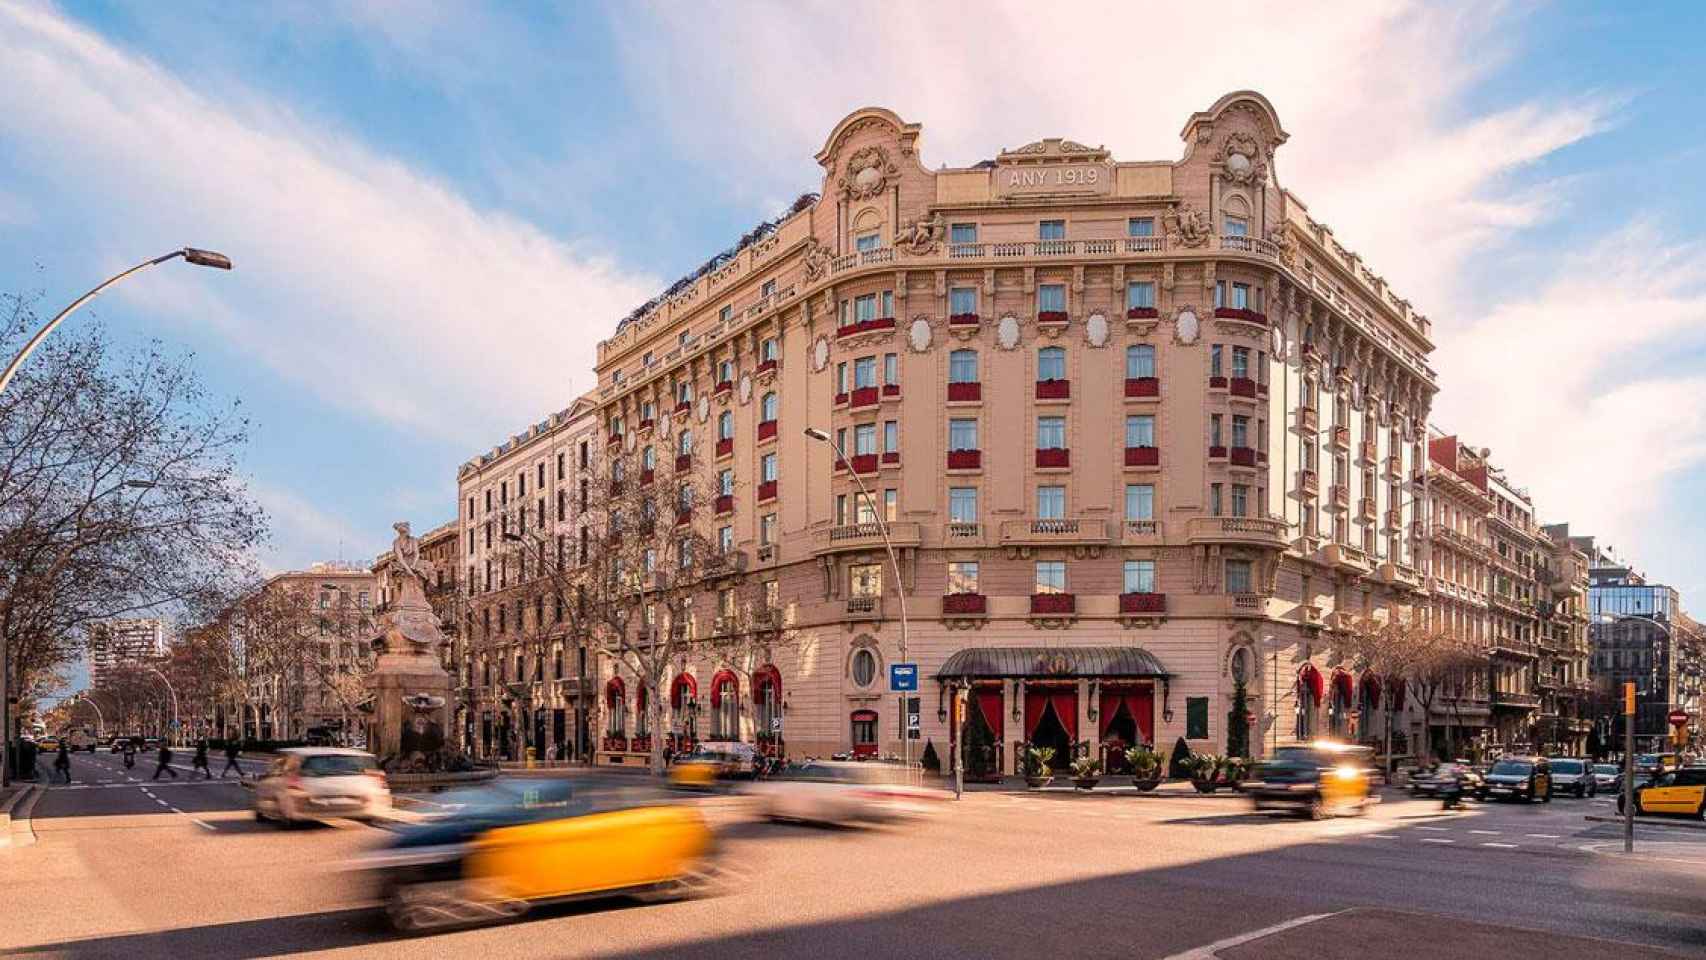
x=62, y=761
x=232, y=748
x=164, y=762
x=129, y=753
x=201, y=759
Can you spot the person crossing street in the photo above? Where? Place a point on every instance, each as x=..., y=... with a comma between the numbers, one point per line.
x=233, y=747
x=164, y=762
x=200, y=762
x=62, y=762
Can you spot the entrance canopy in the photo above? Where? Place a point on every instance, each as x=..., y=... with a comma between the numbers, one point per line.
x=1051, y=663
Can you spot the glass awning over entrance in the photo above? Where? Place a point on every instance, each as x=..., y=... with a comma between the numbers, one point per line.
x=1052, y=663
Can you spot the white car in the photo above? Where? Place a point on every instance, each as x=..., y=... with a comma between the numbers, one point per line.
x=842, y=792
x=318, y=783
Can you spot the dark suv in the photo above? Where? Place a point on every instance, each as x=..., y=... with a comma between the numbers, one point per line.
x=1518, y=778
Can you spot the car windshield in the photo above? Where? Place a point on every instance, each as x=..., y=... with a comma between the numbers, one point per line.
x=336, y=765
x=1610, y=768
x=1566, y=766
x=1512, y=768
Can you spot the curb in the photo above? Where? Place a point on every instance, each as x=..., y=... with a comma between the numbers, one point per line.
x=1649, y=822
x=15, y=827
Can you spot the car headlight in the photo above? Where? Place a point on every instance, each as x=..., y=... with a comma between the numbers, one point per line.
x=1346, y=773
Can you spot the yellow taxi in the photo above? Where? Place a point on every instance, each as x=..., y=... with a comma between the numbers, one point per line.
x=513, y=844
x=1676, y=791
x=1320, y=779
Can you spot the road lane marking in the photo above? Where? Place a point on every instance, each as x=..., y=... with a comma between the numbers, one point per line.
x=1486, y=833
x=1437, y=840
x=1210, y=952
x=198, y=822
x=1439, y=829
x=1546, y=836
x=1382, y=836
x=1501, y=846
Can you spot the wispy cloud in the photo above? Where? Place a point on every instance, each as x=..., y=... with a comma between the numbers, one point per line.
x=360, y=279
x=305, y=532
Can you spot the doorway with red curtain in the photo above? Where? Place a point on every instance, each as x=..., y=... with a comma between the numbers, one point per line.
x=1051, y=720
x=1126, y=715
x=983, y=733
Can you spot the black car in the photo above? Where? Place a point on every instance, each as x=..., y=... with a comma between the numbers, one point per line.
x=1518, y=778
x=1429, y=784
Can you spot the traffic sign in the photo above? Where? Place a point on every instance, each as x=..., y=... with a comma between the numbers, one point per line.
x=903, y=677
x=775, y=724
x=1677, y=718
x=912, y=721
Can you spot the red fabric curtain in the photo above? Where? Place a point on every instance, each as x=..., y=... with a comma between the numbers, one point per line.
x=763, y=675
x=1035, y=700
x=1106, y=709
x=989, y=702
x=1141, y=703
x=1066, y=708
x=1310, y=679
x=1399, y=689
x=1371, y=688
x=684, y=686
x=612, y=690
x=1344, y=688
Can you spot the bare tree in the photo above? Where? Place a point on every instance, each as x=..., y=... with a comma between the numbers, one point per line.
x=1427, y=662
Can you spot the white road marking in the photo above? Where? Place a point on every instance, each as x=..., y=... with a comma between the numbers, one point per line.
x=1486, y=833
x=1439, y=829
x=1546, y=836
x=1501, y=846
x=1209, y=952
x=1437, y=840
x=1382, y=836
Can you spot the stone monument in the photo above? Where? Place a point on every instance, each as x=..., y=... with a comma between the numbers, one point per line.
x=409, y=685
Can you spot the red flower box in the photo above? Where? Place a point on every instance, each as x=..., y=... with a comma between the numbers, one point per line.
x=726, y=503
x=963, y=320
x=1143, y=456
x=727, y=386
x=767, y=366
x=1054, y=457
x=615, y=439
x=965, y=603
x=647, y=424
x=864, y=462
x=1217, y=383
x=646, y=476
x=961, y=392
x=684, y=406
x=767, y=491
x=684, y=462
x=1053, y=603
x=1051, y=316
x=1143, y=313
x=726, y=447
x=864, y=396
x=683, y=517
x=840, y=399
x=865, y=326
x=766, y=429
x=1243, y=387
x=891, y=457
x=1054, y=389
x=1238, y=313
x=1143, y=603
x=891, y=389
x=965, y=459
x=1217, y=453
x=640, y=745
x=616, y=744
x=1243, y=456
x=1143, y=387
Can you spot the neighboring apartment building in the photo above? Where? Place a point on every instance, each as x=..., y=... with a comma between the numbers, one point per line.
x=1458, y=567
x=1513, y=552
x=517, y=674
x=320, y=690
x=1563, y=682
x=1141, y=431
x=118, y=643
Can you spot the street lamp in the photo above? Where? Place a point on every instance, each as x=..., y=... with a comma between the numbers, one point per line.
x=899, y=587
x=100, y=719
x=1629, y=734
x=178, y=730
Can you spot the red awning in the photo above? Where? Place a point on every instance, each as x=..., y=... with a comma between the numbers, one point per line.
x=1371, y=690
x=613, y=691
x=1309, y=678
x=859, y=715
x=1344, y=688
x=723, y=685
x=1399, y=689
x=684, y=685
x=766, y=675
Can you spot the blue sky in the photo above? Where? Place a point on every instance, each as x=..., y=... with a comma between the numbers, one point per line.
x=437, y=208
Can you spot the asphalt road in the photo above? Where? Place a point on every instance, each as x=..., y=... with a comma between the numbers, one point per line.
x=133, y=869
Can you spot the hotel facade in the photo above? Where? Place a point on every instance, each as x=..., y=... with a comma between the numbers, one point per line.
x=1142, y=435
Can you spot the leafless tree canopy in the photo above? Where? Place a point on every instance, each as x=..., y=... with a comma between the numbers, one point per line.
x=1428, y=661
x=119, y=489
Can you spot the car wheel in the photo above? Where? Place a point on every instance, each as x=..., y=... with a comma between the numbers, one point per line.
x=1317, y=809
x=1581, y=792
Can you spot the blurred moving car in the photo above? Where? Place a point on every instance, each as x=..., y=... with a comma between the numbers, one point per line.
x=1572, y=775
x=1429, y=784
x=711, y=762
x=1322, y=779
x=47, y=745
x=842, y=792
x=317, y=783
x=515, y=843
x=1518, y=778
x=1678, y=791
x=1607, y=777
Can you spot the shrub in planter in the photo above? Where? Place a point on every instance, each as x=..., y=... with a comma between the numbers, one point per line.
x=930, y=762
x=1179, y=766
x=1086, y=772
x=1233, y=770
x=1034, y=765
x=1204, y=770
x=1145, y=766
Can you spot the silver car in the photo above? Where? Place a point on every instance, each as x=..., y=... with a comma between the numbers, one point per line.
x=1571, y=775
x=321, y=783
x=1606, y=777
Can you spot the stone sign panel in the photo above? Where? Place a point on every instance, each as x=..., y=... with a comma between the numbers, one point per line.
x=1054, y=179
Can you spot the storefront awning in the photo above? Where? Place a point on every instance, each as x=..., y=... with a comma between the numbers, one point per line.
x=974, y=663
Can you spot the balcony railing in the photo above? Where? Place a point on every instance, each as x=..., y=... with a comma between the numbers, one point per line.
x=964, y=603
x=1243, y=387
x=1143, y=603
x=849, y=536
x=683, y=462
x=1053, y=603
x=1308, y=420
x=726, y=447
x=1054, y=389
x=964, y=320
x=1345, y=557
x=1342, y=437
x=1243, y=456
x=1509, y=698
x=766, y=491
x=965, y=459
x=726, y=503
x=1238, y=313
x=864, y=397
x=1142, y=387
x=963, y=392
x=1054, y=457
x=864, y=608
x=1255, y=531
x=865, y=326
x=766, y=429
x=1140, y=531
x=1143, y=456
x=961, y=533
x=1039, y=531
x=864, y=462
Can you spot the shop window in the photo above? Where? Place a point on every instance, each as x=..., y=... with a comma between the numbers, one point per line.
x=1196, y=718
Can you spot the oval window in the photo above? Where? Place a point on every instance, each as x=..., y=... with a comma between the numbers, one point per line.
x=864, y=668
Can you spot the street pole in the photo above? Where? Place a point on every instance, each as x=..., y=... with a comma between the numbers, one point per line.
x=1629, y=768
x=176, y=727
x=100, y=719
x=959, y=742
x=894, y=564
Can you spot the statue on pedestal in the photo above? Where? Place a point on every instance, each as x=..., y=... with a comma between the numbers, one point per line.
x=411, y=690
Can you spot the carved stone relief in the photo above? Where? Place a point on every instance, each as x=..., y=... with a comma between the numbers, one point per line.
x=1187, y=226
x=1007, y=332
x=919, y=334
x=868, y=171
x=1186, y=325
x=820, y=354
x=1096, y=329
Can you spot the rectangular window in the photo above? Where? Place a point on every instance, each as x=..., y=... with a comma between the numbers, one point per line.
x=864, y=372
x=1051, y=433
x=1240, y=500
x=1051, y=297
x=962, y=233
x=1240, y=431
x=962, y=576
x=1051, y=363
x=1051, y=503
x=1241, y=296
x=1238, y=576
x=891, y=436
x=1237, y=227
x=767, y=529
x=768, y=290
x=866, y=510
x=865, y=308
x=725, y=539
x=726, y=314
x=865, y=242
x=891, y=504
x=1051, y=230
x=1214, y=500
x=1214, y=432
x=767, y=468
x=962, y=300
x=1196, y=718
x=1051, y=576
x=962, y=366
x=891, y=368
x=1140, y=501
x=1140, y=430
x=841, y=378
x=865, y=580
x=962, y=434
x=1139, y=361
x=1140, y=576
x=1241, y=362
x=1139, y=293
x=888, y=304
x=1140, y=227
x=1214, y=364
x=840, y=509
x=725, y=482
x=962, y=504
x=865, y=439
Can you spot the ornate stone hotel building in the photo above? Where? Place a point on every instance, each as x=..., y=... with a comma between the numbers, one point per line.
x=1142, y=432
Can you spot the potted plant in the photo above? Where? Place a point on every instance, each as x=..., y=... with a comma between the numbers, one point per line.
x=1233, y=770
x=1086, y=772
x=1034, y=766
x=1203, y=769
x=1146, y=767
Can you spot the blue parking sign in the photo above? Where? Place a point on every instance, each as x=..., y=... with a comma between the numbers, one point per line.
x=903, y=677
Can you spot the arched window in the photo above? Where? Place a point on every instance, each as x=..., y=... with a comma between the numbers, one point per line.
x=1139, y=361
x=864, y=668
x=1308, y=697
x=767, y=407
x=616, y=709
x=725, y=707
x=726, y=425
x=767, y=701
x=642, y=724
x=1051, y=363
x=962, y=366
